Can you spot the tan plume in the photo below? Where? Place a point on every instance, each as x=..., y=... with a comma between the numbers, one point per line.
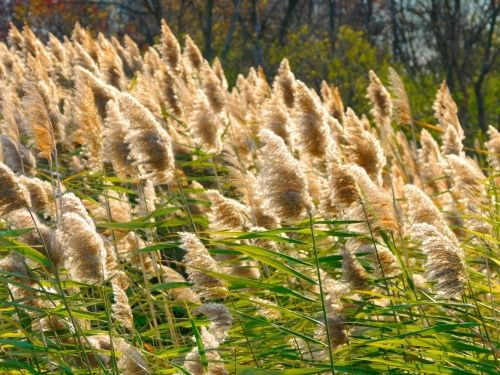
x=282, y=183
x=400, y=100
x=38, y=117
x=378, y=203
x=204, y=125
x=83, y=247
x=130, y=360
x=213, y=90
x=219, y=72
x=116, y=128
x=493, y=146
x=381, y=102
x=430, y=160
x=284, y=84
x=220, y=319
x=170, y=48
x=445, y=264
x=89, y=131
x=352, y=270
x=226, y=213
x=445, y=110
x=193, y=53
x=12, y=194
x=198, y=261
x=332, y=101
x=363, y=148
x=312, y=133
x=41, y=194
x=150, y=145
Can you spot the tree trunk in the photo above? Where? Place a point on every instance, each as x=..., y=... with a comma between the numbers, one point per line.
x=332, y=24
x=256, y=32
x=232, y=28
x=286, y=20
x=207, y=30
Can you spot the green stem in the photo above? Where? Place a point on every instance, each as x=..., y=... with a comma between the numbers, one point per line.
x=318, y=272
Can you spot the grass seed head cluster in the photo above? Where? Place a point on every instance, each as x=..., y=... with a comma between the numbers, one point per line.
x=155, y=220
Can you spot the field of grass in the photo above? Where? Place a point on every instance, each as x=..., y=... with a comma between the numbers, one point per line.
x=154, y=220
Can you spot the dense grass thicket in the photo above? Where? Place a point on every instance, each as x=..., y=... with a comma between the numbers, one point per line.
x=155, y=221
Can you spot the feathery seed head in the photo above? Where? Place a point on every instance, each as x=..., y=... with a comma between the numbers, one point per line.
x=363, y=148
x=121, y=307
x=115, y=130
x=84, y=249
x=332, y=101
x=381, y=100
x=468, y=179
x=275, y=118
x=421, y=209
x=284, y=84
x=220, y=319
x=198, y=260
x=89, y=125
x=445, y=264
x=430, y=160
x=170, y=48
x=378, y=202
x=342, y=183
x=130, y=360
x=150, y=145
x=213, y=90
x=282, y=183
x=312, y=133
x=402, y=109
x=204, y=125
x=40, y=192
x=493, y=146
x=226, y=213
x=36, y=113
x=219, y=72
x=12, y=194
x=445, y=110
x=71, y=203
x=352, y=271
x=193, y=54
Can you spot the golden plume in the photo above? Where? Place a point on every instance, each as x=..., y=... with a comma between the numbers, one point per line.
x=170, y=49
x=204, y=124
x=363, y=148
x=193, y=54
x=89, y=131
x=445, y=109
x=281, y=181
x=284, y=84
x=213, y=89
x=197, y=261
x=117, y=149
x=312, y=133
x=381, y=102
x=36, y=113
x=430, y=160
x=84, y=249
x=150, y=144
x=219, y=72
x=332, y=101
x=400, y=100
x=226, y=213
x=12, y=195
x=493, y=146
x=275, y=118
x=130, y=360
x=445, y=263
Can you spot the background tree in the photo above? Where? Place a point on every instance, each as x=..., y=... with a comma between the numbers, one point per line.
x=338, y=40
